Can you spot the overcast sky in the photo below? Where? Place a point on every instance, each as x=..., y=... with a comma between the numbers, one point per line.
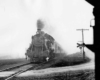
x=61, y=17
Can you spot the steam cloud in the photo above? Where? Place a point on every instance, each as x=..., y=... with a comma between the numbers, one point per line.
x=61, y=19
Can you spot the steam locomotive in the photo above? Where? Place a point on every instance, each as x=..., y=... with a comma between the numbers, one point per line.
x=43, y=46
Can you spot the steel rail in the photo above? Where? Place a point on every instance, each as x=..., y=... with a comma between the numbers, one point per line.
x=14, y=67
x=17, y=73
x=21, y=71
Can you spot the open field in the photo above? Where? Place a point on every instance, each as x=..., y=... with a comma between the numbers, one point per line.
x=11, y=62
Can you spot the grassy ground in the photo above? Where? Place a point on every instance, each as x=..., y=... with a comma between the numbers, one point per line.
x=69, y=75
x=61, y=61
x=70, y=60
x=11, y=62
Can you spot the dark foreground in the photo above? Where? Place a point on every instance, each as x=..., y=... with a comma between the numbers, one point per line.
x=69, y=75
x=71, y=60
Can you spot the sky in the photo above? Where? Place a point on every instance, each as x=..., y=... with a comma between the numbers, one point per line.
x=61, y=17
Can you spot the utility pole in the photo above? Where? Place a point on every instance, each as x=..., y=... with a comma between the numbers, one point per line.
x=83, y=44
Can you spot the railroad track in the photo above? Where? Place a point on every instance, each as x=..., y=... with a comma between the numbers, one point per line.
x=25, y=68
x=16, y=73
x=20, y=70
x=16, y=66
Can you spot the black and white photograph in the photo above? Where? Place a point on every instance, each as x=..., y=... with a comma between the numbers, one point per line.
x=47, y=40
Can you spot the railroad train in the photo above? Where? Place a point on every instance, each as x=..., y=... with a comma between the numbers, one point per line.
x=42, y=48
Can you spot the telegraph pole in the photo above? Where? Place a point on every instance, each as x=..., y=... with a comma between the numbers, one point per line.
x=83, y=44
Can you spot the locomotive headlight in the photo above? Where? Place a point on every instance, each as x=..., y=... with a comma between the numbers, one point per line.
x=47, y=58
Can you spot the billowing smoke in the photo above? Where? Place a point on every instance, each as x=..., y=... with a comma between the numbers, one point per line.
x=61, y=19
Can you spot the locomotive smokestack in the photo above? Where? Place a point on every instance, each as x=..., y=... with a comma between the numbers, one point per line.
x=40, y=24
